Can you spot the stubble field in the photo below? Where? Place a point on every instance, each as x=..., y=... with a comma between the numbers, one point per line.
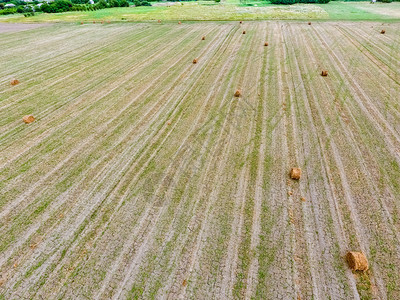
x=144, y=177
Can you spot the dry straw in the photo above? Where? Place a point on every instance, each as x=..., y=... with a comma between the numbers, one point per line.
x=357, y=261
x=295, y=173
x=14, y=82
x=28, y=119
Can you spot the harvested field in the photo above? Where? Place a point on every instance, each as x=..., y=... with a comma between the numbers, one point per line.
x=141, y=178
x=4, y=27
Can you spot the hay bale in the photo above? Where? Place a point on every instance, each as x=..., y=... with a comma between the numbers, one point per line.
x=244, y=31
x=237, y=93
x=357, y=261
x=28, y=119
x=324, y=73
x=309, y=23
x=383, y=31
x=265, y=44
x=14, y=82
x=295, y=173
x=195, y=61
x=203, y=38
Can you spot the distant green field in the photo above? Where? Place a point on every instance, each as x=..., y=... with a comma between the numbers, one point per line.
x=230, y=10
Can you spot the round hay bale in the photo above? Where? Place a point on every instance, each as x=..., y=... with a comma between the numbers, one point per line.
x=265, y=44
x=309, y=23
x=357, y=261
x=14, y=82
x=295, y=173
x=237, y=93
x=324, y=73
x=383, y=31
x=28, y=119
x=203, y=38
x=244, y=31
x=195, y=61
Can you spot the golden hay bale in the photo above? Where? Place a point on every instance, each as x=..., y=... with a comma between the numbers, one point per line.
x=357, y=261
x=244, y=31
x=295, y=173
x=324, y=73
x=383, y=31
x=203, y=38
x=309, y=23
x=14, y=82
x=195, y=61
x=265, y=44
x=237, y=93
x=28, y=119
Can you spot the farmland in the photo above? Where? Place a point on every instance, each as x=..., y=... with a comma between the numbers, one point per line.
x=144, y=177
x=227, y=10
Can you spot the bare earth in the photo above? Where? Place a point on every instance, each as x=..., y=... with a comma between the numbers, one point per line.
x=143, y=177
